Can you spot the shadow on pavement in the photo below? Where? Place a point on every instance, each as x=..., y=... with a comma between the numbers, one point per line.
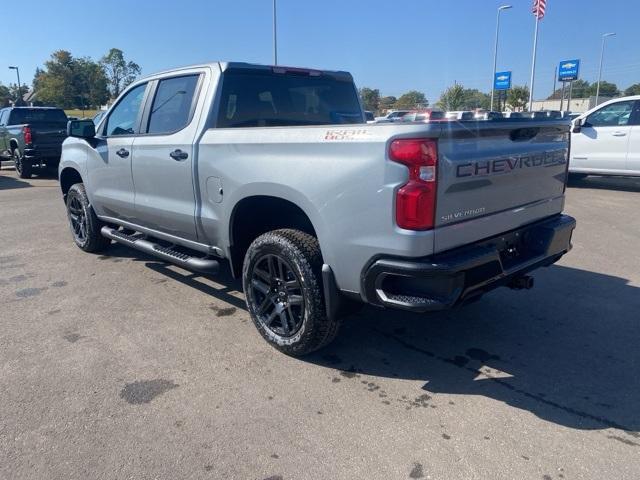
x=194, y=280
x=621, y=184
x=566, y=351
x=8, y=182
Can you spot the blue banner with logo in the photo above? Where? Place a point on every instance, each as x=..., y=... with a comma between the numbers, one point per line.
x=568, y=70
x=502, y=81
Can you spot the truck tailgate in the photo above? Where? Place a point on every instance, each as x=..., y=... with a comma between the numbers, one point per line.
x=45, y=134
x=496, y=176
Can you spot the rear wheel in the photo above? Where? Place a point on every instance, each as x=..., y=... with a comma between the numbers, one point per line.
x=23, y=166
x=85, y=226
x=283, y=288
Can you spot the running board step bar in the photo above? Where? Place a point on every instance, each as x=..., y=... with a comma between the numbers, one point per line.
x=202, y=265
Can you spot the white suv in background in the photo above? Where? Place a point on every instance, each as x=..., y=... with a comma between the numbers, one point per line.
x=606, y=139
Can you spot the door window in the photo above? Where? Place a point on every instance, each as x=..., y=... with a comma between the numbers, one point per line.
x=171, y=108
x=123, y=119
x=3, y=116
x=615, y=114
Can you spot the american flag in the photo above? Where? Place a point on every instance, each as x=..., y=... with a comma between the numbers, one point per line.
x=539, y=6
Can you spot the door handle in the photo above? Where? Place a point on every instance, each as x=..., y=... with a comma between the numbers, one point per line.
x=619, y=134
x=123, y=153
x=179, y=155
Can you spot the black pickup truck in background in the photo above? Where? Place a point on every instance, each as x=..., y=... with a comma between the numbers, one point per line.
x=32, y=137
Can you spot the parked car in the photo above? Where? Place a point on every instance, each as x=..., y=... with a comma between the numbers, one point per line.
x=32, y=137
x=487, y=115
x=98, y=116
x=606, y=139
x=423, y=116
x=392, y=116
x=538, y=114
x=462, y=115
x=513, y=114
x=321, y=210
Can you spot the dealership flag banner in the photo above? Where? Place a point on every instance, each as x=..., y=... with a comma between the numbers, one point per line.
x=538, y=10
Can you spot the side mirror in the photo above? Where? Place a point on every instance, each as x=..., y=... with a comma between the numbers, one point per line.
x=81, y=128
x=578, y=123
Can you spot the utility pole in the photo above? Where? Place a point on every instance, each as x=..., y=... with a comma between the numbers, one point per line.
x=604, y=37
x=275, y=35
x=555, y=77
x=495, y=51
x=19, y=99
x=533, y=63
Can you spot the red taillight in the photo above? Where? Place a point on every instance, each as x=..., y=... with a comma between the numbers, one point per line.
x=416, y=199
x=26, y=134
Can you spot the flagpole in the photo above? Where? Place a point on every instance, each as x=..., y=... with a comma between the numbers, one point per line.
x=533, y=62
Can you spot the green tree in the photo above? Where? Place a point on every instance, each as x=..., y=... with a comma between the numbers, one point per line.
x=580, y=89
x=70, y=82
x=55, y=83
x=16, y=96
x=412, y=99
x=120, y=72
x=607, y=89
x=5, y=96
x=632, y=90
x=91, y=83
x=387, y=103
x=517, y=97
x=474, y=98
x=453, y=98
x=370, y=98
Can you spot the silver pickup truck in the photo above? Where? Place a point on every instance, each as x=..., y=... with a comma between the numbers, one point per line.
x=274, y=170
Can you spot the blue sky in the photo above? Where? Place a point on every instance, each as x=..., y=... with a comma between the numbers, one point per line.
x=393, y=45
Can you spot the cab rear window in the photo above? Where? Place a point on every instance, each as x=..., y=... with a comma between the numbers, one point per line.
x=34, y=115
x=269, y=99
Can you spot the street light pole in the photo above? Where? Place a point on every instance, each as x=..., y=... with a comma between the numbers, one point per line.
x=533, y=62
x=275, y=35
x=19, y=99
x=604, y=37
x=495, y=51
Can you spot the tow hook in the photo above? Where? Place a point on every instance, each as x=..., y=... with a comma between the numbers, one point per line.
x=523, y=282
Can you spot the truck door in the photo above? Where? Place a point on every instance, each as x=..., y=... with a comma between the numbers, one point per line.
x=109, y=161
x=163, y=157
x=633, y=155
x=602, y=142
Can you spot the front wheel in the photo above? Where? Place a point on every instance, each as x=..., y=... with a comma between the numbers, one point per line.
x=283, y=288
x=85, y=226
x=23, y=166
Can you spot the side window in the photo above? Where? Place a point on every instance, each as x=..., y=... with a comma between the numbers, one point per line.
x=3, y=116
x=171, y=108
x=616, y=114
x=124, y=116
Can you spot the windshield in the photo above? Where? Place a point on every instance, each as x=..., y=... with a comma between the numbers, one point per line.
x=257, y=98
x=36, y=115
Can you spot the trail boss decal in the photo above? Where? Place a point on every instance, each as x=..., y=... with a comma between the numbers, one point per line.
x=345, y=134
x=507, y=165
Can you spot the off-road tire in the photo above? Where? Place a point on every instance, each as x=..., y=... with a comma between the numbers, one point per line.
x=77, y=201
x=23, y=167
x=301, y=252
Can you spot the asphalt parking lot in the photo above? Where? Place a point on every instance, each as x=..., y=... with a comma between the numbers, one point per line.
x=120, y=366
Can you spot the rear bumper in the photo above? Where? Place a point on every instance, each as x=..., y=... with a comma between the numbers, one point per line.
x=457, y=276
x=37, y=152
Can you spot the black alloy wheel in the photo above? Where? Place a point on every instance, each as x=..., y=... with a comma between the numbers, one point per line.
x=277, y=293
